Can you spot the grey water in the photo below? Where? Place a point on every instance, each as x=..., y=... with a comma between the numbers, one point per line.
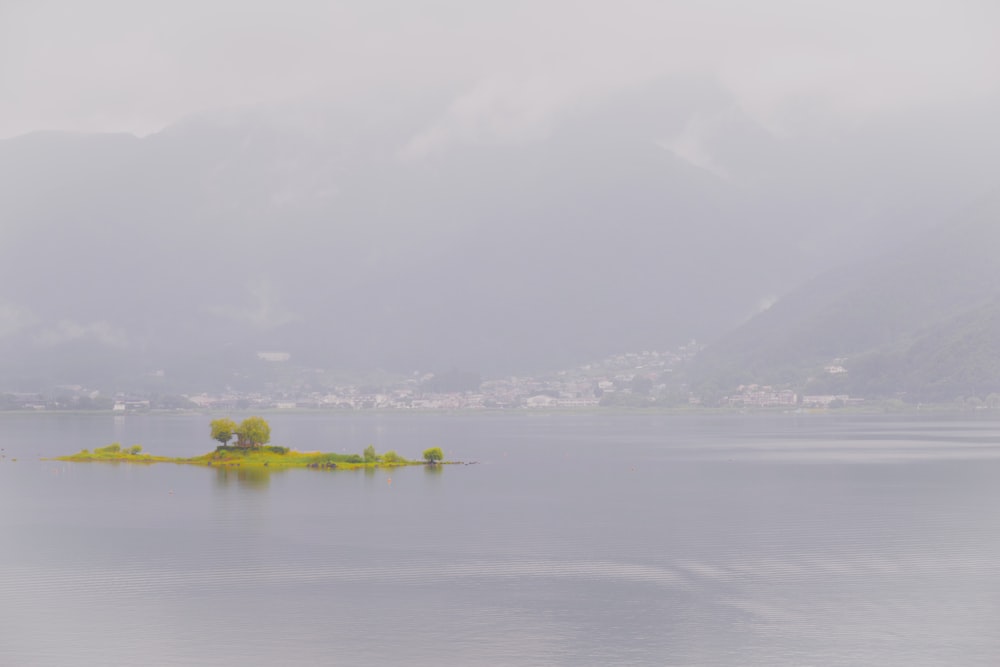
x=574, y=540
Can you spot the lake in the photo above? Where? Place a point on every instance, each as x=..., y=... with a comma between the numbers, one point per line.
x=574, y=540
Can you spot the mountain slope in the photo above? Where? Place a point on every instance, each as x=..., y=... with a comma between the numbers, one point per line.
x=321, y=231
x=189, y=250
x=918, y=322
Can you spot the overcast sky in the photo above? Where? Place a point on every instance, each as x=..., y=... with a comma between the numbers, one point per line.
x=133, y=66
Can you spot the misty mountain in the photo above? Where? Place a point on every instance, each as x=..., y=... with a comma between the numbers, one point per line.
x=922, y=322
x=364, y=235
x=189, y=250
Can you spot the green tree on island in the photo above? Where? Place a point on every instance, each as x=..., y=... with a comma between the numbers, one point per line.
x=223, y=430
x=433, y=455
x=253, y=432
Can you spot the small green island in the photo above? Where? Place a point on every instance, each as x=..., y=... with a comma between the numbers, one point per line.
x=251, y=450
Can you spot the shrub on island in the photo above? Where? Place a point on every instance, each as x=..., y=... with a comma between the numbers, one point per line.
x=392, y=457
x=112, y=452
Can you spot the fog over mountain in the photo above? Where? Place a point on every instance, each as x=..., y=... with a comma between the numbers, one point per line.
x=428, y=186
x=921, y=321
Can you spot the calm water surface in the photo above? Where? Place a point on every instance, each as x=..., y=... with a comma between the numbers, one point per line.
x=576, y=540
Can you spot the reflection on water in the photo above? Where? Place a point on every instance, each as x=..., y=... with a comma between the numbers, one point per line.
x=251, y=477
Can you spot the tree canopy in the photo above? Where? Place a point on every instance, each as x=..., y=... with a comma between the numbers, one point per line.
x=223, y=430
x=253, y=432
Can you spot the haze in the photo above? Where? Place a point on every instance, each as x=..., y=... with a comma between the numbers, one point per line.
x=435, y=185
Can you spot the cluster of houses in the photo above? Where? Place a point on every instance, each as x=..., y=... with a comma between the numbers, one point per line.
x=622, y=379
x=766, y=396
x=580, y=387
x=762, y=396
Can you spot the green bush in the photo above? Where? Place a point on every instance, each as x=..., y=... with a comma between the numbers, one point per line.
x=392, y=457
x=333, y=457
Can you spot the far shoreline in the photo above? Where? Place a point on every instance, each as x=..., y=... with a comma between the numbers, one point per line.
x=874, y=409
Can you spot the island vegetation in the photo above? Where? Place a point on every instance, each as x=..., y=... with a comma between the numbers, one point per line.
x=251, y=449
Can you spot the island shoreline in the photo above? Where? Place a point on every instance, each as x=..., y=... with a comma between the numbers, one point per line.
x=271, y=458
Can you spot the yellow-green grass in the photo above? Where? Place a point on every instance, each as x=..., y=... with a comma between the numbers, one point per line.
x=275, y=458
x=114, y=453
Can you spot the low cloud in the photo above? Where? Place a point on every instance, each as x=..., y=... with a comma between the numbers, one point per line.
x=66, y=331
x=263, y=311
x=13, y=318
x=690, y=144
x=766, y=302
x=495, y=111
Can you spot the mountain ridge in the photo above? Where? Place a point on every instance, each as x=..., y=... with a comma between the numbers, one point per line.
x=886, y=316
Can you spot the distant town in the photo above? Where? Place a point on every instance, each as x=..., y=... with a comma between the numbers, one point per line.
x=628, y=380
x=635, y=378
